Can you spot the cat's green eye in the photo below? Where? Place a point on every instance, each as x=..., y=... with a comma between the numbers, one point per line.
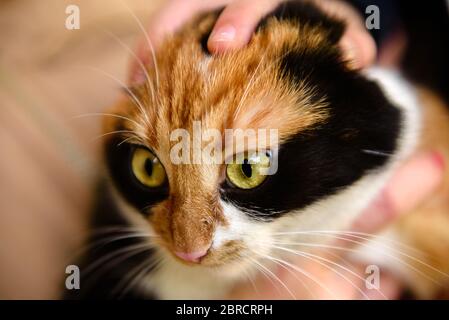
x=248, y=171
x=147, y=168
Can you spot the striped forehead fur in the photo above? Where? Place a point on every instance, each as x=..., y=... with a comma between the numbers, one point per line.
x=243, y=89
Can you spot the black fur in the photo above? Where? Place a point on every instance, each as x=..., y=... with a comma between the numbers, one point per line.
x=104, y=282
x=426, y=59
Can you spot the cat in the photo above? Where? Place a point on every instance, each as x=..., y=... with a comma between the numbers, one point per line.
x=194, y=230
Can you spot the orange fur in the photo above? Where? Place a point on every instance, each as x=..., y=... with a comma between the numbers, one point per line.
x=228, y=92
x=236, y=90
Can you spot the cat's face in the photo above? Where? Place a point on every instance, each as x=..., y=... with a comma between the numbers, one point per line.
x=333, y=134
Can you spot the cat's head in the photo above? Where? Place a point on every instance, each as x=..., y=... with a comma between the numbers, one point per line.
x=329, y=137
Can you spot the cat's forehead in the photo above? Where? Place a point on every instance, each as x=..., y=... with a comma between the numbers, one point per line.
x=245, y=89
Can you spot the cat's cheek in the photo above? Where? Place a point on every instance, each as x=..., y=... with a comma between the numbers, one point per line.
x=251, y=234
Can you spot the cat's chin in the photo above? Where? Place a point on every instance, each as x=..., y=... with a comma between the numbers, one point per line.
x=195, y=281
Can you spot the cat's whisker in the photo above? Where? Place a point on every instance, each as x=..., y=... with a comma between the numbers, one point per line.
x=252, y=212
x=112, y=133
x=122, y=254
x=402, y=253
x=98, y=244
x=251, y=280
x=140, y=277
x=320, y=260
x=139, y=62
x=254, y=80
x=107, y=240
x=289, y=270
x=264, y=271
x=134, y=276
x=126, y=140
x=107, y=235
x=116, y=228
x=147, y=38
x=368, y=240
x=248, y=86
x=277, y=279
x=325, y=246
x=148, y=207
x=377, y=153
x=315, y=245
x=129, y=92
x=129, y=277
x=401, y=261
x=99, y=114
x=299, y=270
x=360, y=235
x=338, y=257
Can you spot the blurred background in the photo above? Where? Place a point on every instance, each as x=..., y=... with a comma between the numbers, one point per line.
x=47, y=153
x=51, y=78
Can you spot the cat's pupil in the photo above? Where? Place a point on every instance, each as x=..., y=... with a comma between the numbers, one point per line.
x=246, y=168
x=149, y=167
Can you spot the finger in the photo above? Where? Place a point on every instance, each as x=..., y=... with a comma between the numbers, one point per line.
x=177, y=12
x=357, y=44
x=237, y=23
x=413, y=183
x=358, y=47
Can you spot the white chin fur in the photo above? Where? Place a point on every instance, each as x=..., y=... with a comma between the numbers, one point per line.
x=333, y=213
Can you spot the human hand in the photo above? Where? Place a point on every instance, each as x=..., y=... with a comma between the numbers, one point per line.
x=236, y=25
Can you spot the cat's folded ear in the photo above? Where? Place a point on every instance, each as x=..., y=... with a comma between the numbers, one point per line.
x=299, y=11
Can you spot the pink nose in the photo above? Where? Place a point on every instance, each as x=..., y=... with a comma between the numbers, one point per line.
x=194, y=256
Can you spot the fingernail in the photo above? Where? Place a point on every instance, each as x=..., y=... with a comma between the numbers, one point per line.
x=224, y=34
x=439, y=160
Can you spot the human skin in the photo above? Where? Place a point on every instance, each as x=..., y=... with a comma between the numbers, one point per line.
x=232, y=31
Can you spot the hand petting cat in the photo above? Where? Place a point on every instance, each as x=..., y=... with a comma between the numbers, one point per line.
x=233, y=30
x=237, y=22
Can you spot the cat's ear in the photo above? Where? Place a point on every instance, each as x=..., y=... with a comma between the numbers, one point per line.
x=300, y=11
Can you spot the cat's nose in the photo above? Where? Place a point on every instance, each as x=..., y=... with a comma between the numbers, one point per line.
x=193, y=256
